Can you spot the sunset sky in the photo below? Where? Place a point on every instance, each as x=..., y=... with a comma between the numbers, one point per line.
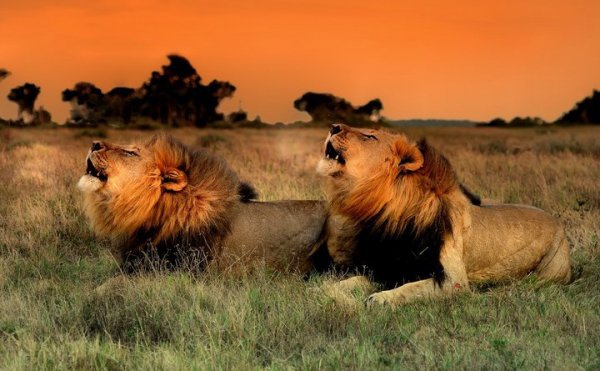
x=424, y=59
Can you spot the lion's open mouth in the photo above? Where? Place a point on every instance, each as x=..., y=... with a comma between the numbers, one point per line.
x=98, y=173
x=332, y=154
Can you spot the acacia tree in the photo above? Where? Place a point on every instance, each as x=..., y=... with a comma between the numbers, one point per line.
x=323, y=107
x=3, y=74
x=177, y=96
x=24, y=96
x=86, y=100
x=119, y=103
x=586, y=111
x=371, y=110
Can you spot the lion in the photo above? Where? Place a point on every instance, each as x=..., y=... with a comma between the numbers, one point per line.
x=165, y=206
x=398, y=212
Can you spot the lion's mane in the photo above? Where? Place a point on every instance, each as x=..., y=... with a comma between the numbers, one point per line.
x=407, y=214
x=399, y=214
x=144, y=218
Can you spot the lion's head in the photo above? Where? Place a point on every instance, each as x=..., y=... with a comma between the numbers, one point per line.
x=386, y=179
x=156, y=191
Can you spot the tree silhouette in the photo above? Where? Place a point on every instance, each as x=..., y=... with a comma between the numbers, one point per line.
x=120, y=104
x=515, y=122
x=177, y=96
x=86, y=101
x=586, y=111
x=208, y=99
x=371, y=110
x=3, y=74
x=42, y=116
x=24, y=96
x=323, y=107
x=498, y=121
x=237, y=117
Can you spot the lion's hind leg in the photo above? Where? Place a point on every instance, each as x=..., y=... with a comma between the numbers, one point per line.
x=556, y=264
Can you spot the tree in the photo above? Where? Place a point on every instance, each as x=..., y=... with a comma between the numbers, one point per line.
x=371, y=110
x=25, y=96
x=176, y=96
x=497, y=122
x=86, y=102
x=586, y=111
x=3, y=74
x=237, y=116
x=323, y=107
x=120, y=103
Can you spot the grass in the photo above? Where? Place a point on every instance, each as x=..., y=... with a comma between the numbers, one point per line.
x=50, y=263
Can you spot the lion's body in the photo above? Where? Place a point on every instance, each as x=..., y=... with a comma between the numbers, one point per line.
x=398, y=213
x=510, y=241
x=279, y=235
x=165, y=206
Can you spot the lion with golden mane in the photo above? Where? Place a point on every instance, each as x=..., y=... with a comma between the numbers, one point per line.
x=162, y=203
x=398, y=212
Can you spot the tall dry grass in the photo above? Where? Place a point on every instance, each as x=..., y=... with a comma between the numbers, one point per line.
x=50, y=263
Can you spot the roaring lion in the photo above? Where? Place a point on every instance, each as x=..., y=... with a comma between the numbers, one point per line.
x=398, y=212
x=164, y=204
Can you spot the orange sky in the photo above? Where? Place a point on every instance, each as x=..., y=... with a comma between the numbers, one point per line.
x=423, y=59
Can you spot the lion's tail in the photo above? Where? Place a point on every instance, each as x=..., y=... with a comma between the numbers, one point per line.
x=576, y=273
x=473, y=198
x=247, y=192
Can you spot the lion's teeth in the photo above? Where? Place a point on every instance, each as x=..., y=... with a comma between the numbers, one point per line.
x=337, y=157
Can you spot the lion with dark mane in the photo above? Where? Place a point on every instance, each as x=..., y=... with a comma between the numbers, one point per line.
x=398, y=212
x=166, y=206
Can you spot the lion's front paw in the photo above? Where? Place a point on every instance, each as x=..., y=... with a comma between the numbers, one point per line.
x=382, y=298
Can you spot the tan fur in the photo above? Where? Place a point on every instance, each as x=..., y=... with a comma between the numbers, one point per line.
x=161, y=194
x=386, y=180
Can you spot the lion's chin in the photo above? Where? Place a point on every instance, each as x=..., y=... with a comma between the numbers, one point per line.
x=88, y=183
x=328, y=167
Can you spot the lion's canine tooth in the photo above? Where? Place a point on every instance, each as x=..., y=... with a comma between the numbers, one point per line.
x=337, y=157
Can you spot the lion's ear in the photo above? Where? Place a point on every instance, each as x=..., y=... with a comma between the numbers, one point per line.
x=174, y=180
x=409, y=157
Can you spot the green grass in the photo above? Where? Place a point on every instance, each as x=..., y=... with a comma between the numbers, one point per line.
x=50, y=264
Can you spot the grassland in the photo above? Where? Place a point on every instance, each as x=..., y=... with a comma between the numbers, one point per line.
x=50, y=263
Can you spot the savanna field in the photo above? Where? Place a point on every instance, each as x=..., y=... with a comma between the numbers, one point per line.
x=50, y=264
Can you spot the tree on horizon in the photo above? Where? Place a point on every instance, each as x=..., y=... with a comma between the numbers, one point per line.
x=586, y=111
x=25, y=96
x=4, y=73
x=325, y=107
x=177, y=96
x=85, y=99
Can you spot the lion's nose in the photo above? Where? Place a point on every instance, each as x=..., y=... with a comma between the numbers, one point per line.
x=96, y=146
x=335, y=128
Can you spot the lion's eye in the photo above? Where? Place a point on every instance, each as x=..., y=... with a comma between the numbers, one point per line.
x=369, y=136
x=130, y=153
